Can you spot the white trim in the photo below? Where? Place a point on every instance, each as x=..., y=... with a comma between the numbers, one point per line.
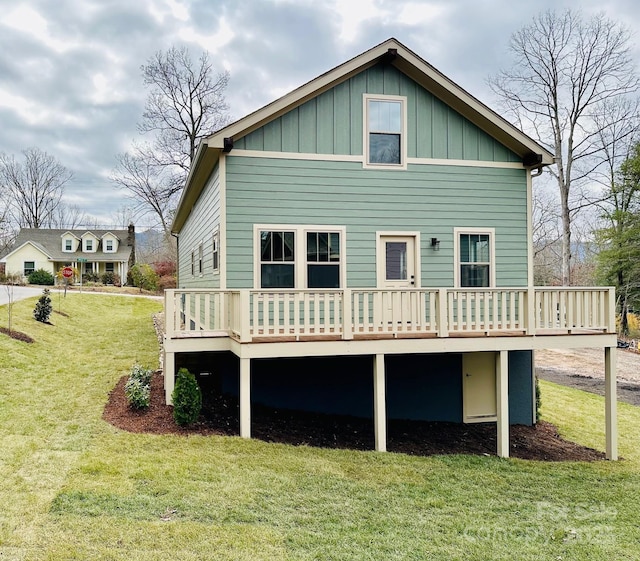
x=296, y=156
x=200, y=259
x=529, y=229
x=456, y=252
x=222, y=185
x=380, y=257
x=357, y=158
x=300, y=250
x=366, y=98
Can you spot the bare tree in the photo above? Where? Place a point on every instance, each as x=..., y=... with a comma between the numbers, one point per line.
x=565, y=71
x=35, y=187
x=69, y=216
x=185, y=102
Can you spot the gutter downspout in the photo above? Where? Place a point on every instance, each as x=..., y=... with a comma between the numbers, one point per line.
x=177, y=259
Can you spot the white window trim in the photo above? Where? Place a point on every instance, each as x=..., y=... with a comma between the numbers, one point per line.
x=193, y=262
x=300, y=255
x=215, y=241
x=492, y=253
x=365, y=131
x=200, y=259
x=64, y=245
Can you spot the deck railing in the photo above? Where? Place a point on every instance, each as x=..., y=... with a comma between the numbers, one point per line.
x=262, y=315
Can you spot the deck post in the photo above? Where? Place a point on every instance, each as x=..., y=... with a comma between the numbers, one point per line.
x=611, y=403
x=379, y=403
x=245, y=316
x=169, y=368
x=502, y=402
x=347, y=325
x=443, y=327
x=245, y=397
x=169, y=312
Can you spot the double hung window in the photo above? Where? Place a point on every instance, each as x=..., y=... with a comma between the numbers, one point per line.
x=475, y=259
x=385, y=142
x=215, y=251
x=300, y=257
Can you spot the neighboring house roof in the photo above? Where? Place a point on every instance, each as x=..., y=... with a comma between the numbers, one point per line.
x=49, y=241
x=390, y=51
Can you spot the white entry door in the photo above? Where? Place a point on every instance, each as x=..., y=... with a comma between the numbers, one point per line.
x=479, y=387
x=397, y=262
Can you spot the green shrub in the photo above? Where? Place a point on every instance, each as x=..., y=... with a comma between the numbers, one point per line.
x=43, y=308
x=187, y=398
x=137, y=390
x=40, y=276
x=110, y=278
x=90, y=277
x=144, y=277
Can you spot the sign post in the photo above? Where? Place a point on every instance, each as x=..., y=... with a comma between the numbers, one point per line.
x=67, y=273
x=81, y=260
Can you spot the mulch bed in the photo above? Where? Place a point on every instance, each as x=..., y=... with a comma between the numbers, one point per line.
x=220, y=417
x=18, y=335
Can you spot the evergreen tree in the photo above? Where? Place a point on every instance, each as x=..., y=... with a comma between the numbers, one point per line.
x=43, y=307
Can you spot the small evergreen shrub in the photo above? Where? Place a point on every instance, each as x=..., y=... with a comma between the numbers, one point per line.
x=43, y=308
x=187, y=398
x=40, y=276
x=137, y=389
x=90, y=277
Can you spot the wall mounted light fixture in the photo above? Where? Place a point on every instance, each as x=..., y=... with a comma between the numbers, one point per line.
x=435, y=244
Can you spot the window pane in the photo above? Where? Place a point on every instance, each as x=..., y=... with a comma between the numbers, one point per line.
x=277, y=275
x=384, y=148
x=265, y=246
x=396, y=260
x=385, y=116
x=323, y=247
x=277, y=246
x=334, y=247
x=289, y=249
x=312, y=246
x=474, y=275
x=323, y=276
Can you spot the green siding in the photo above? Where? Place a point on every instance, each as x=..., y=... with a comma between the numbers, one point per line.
x=331, y=123
x=429, y=199
x=199, y=227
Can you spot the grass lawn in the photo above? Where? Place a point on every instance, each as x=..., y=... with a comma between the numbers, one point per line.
x=74, y=487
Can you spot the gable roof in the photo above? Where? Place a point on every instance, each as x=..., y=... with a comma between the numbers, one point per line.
x=48, y=241
x=390, y=51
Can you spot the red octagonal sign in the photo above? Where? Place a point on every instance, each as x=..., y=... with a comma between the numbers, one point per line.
x=67, y=272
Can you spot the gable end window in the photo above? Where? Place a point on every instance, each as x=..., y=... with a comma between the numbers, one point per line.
x=385, y=136
x=475, y=259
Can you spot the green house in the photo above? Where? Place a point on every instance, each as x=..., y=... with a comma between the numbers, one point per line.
x=362, y=245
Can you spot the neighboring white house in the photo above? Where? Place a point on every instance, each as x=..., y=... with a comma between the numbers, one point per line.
x=93, y=252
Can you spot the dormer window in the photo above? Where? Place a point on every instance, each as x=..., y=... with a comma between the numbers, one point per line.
x=109, y=245
x=68, y=245
x=88, y=245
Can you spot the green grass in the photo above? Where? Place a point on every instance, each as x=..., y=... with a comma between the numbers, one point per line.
x=74, y=487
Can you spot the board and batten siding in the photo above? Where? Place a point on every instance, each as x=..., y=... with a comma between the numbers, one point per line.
x=199, y=228
x=332, y=123
x=431, y=199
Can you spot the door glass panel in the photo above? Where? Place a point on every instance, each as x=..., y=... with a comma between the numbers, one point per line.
x=396, y=260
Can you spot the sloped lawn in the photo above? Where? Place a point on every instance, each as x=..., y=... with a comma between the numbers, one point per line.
x=72, y=486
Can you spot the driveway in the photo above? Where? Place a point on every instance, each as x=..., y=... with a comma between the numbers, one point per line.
x=19, y=293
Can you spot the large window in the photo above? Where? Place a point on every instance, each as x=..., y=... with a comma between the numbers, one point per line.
x=108, y=268
x=300, y=257
x=384, y=134
x=475, y=259
x=277, y=259
x=323, y=260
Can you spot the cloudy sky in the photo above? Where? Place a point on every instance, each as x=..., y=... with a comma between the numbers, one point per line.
x=70, y=79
